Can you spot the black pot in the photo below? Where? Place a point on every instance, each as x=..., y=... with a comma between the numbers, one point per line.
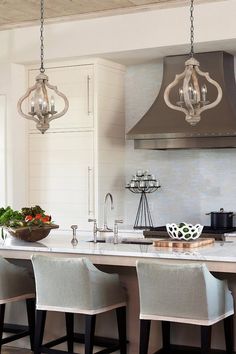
x=221, y=219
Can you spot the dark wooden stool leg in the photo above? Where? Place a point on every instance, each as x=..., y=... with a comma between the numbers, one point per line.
x=90, y=321
x=121, y=323
x=39, y=330
x=205, y=339
x=70, y=331
x=2, y=314
x=166, y=336
x=30, y=306
x=144, y=336
x=229, y=334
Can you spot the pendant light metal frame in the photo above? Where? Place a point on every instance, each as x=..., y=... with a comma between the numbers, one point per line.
x=42, y=116
x=193, y=108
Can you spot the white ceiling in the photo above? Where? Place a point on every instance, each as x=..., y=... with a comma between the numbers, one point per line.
x=22, y=12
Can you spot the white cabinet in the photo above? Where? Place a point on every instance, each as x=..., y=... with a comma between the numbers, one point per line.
x=81, y=157
x=3, y=150
x=61, y=167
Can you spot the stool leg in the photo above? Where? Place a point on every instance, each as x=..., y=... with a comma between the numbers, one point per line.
x=70, y=331
x=121, y=323
x=39, y=330
x=30, y=306
x=144, y=336
x=205, y=339
x=166, y=336
x=2, y=314
x=90, y=321
x=229, y=334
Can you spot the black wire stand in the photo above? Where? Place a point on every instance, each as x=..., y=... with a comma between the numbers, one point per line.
x=143, y=183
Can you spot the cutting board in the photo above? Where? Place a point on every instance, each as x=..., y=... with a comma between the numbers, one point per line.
x=170, y=243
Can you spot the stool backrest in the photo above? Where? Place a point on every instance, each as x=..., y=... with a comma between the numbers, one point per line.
x=180, y=290
x=73, y=284
x=14, y=280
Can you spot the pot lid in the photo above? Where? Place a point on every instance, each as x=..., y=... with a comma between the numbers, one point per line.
x=221, y=211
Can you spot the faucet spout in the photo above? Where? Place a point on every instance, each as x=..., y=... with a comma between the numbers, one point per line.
x=107, y=197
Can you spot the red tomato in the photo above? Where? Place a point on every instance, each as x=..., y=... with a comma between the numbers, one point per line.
x=28, y=218
x=38, y=216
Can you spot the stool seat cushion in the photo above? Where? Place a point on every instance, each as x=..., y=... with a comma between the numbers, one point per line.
x=74, y=285
x=15, y=282
x=187, y=291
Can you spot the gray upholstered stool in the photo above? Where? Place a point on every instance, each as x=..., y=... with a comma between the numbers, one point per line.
x=186, y=294
x=16, y=284
x=75, y=285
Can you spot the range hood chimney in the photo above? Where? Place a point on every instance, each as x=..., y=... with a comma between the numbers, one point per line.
x=164, y=128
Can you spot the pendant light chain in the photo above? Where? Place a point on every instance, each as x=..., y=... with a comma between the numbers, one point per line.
x=191, y=28
x=42, y=70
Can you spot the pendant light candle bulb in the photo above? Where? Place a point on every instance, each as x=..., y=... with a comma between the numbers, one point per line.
x=40, y=102
x=32, y=106
x=204, y=92
x=52, y=104
x=195, y=100
x=190, y=91
x=45, y=106
x=181, y=95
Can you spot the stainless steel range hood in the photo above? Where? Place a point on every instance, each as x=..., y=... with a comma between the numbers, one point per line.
x=164, y=128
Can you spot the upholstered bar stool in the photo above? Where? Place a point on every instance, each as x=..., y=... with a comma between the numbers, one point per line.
x=186, y=294
x=76, y=286
x=16, y=284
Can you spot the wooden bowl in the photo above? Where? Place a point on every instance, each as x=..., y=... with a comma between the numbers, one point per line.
x=31, y=234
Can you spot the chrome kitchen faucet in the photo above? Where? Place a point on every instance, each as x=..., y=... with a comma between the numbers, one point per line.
x=105, y=226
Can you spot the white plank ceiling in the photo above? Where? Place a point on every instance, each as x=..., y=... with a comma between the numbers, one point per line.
x=23, y=12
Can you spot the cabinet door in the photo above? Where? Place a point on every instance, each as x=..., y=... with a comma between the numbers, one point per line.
x=76, y=82
x=61, y=176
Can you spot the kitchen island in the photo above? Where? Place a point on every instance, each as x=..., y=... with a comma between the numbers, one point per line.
x=121, y=258
x=219, y=257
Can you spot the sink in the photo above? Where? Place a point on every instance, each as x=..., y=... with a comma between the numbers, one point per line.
x=128, y=242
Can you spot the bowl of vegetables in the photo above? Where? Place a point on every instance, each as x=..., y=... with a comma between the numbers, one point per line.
x=184, y=231
x=29, y=224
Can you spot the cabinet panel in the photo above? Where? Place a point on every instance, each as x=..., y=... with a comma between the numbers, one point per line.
x=77, y=162
x=61, y=176
x=76, y=83
x=3, y=150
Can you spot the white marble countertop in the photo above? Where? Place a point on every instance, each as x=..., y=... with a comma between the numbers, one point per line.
x=221, y=256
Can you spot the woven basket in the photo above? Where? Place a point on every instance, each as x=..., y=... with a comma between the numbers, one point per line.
x=31, y=234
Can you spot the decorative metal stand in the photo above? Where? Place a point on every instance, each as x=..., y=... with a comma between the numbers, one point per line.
x=143, y=182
